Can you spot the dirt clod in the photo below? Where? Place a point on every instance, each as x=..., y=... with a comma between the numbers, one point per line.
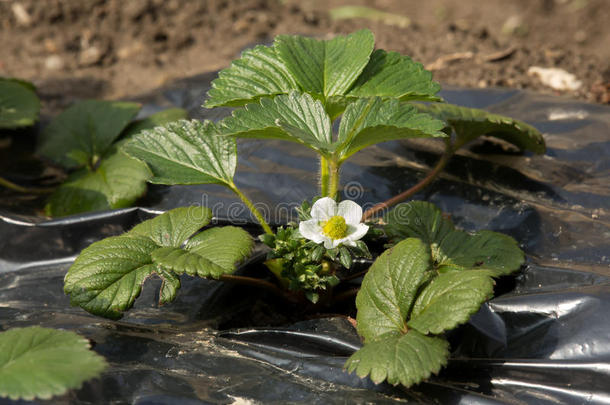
x=116, y=48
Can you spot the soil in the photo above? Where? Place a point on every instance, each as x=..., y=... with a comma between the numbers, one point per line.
x=112, y=49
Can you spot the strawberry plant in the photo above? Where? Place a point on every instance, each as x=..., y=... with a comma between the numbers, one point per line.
x=85, y=140
x=431, y=278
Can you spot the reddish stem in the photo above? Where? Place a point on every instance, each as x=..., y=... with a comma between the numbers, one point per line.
x=440, y=165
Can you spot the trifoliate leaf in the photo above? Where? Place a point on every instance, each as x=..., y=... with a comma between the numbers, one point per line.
x=470, y=123
x=326, y=67
x=389, y=288
x=258, y=73
x=417, y=219
x=160, y=118
x=370, y=121
x=403, y=359
x=224, y=246
x=185, y=152
x=39, y=362
x=116, y=183
x=487, y=250
x=449, y=300
x=174, y=227
x=296, y=117
x=107, y=277
x=83, y=133
x=19, y=105
x=335, y=71
x=392, y=75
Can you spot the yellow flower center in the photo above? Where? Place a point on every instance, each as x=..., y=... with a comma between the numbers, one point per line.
x=335, y=227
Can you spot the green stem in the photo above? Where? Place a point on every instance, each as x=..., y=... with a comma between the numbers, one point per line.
x=33, y=190
x=333, y=167
x=324, y=176
x=252, y=208
x=440, y=165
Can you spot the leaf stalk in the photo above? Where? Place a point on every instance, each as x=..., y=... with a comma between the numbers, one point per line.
x=252, y=208
x=440, y=165
x=333, y=166
x=33, y=190
x=324, y=176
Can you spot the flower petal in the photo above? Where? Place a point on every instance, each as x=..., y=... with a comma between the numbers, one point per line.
x=311, y=230
x=330, y=243
x=347, y=242
x=351, y=211
x=324, y=209
x=342, y=241
x=357, y=233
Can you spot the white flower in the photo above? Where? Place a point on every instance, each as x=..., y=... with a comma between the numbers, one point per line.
x=334, y=224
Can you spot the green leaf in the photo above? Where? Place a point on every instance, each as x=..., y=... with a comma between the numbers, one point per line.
x=345, y=257
x=406, y=359
x=84, y=132
x=258, y=73
x=225, y=245
x=449, y=300
x=116, y=183
x=181, y=261
x=389, y=287
x=295, y=117
x=470, y=123
x=125, y=178
x=392, y=75
x=160, y=118
x=107, y=277
x=336, y=71
x=211, y=253
x=326, y=67
x=185, y=152
x=370, y=121
x=28, y=85
x=174, y=227
x=83, y=191
x=417, y=219
x=487, y=250
x=169, y=286
x=19, y=105
x=39, y=362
